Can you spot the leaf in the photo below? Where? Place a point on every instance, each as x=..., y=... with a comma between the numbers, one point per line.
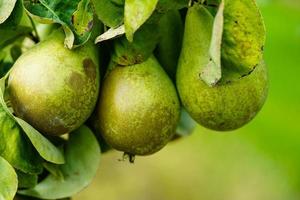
x=4, y=68
x=140, y=49
x=45, y=148
x=212, y=72
x=167, y=52
x=2, y=55
x=15, y=147
x=9, y=35
x=6, y=8
x=82, y=159
x=164, y=6
x=82, y=19
x=15, y=52
x=136, y=14
x=15, y=17
x=243, y=38
x=111, y=33
x=54, y=170
x=186, y=124
x=110, y=12
x=8, y=181
x=75, y=16
x=26, y=180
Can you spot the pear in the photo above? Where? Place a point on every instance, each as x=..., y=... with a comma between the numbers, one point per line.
x=231, y=103
x=138, y=108
x=168, y=49
x=53, y=88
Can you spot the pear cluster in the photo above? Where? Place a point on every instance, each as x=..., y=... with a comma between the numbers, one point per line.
x=144, y=84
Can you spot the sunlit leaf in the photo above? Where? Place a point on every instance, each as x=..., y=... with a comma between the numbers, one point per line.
x=82, y=159
x=136, y=14
x=6, y=8
x=212, y=72
x=8, y=181
x=110, y=12
x=110, y=34
x=15, y=17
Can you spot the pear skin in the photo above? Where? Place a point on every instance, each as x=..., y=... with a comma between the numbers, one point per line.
x=138, y=108
x=53, y=88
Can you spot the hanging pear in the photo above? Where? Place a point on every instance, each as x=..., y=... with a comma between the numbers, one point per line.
x=53, y=88
x=138, y=108
x=231, y=103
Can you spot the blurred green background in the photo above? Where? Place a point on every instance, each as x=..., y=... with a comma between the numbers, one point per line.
x=258, y=162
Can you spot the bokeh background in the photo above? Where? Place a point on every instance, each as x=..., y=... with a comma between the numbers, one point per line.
x=258, y=162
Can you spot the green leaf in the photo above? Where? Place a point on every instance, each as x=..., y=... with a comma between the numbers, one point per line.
x=212, y=72
x=110, y=12
x=136, y=14
x=167, y=52
x=15, y=146
x=76, y=17
x=15, y=52
x=8, y=181
x=140, y=49
x=9, y=35
x=26, y=180
x=54, y=170
x=82, y=159
x=83, y=18
x=164, y=6
x=15, y=26
x=2, y=55
x=45, y=148
x=6, y=8
x=4, y=68
x=186, y=124
x=243, y=38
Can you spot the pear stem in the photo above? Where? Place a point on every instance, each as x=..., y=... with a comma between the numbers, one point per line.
x=36, y=37
x=128, y=156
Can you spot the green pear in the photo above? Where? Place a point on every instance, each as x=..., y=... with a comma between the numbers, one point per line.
x=138, y=108
x=168, y=49
x=53, y=88
x=232, y=102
